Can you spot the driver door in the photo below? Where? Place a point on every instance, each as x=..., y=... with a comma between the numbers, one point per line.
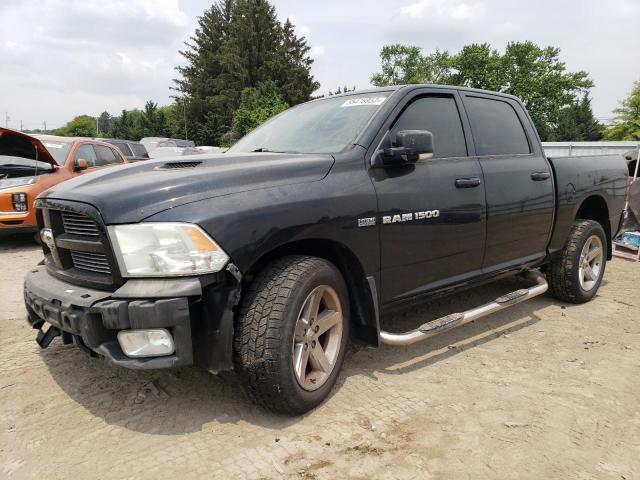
x=432, y=231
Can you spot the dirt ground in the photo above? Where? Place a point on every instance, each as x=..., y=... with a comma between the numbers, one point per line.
x=543, y=390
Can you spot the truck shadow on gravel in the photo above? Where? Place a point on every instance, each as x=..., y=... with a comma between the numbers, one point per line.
x=170, y=402
x=18, y=242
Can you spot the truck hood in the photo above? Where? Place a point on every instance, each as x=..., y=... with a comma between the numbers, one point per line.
x=23, y=146
x=131, y=193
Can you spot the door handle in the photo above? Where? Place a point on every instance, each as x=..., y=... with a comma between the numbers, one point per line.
x=467, y=182
x=539, y=176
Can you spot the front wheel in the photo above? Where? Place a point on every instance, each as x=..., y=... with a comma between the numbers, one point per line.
x=576, y=274
x=291, y=333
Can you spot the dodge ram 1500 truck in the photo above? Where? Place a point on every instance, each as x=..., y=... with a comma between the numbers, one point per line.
x=267, y=259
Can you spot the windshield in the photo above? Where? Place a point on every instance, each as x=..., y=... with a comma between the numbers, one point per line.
x=322, y=126
x=58, y=150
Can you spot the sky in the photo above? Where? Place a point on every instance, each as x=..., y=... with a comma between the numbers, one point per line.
x=62, y=58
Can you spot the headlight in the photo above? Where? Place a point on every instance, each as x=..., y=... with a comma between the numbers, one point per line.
x=16, y=182
x=165, y=249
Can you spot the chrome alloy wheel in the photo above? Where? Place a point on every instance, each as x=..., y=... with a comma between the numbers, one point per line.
x=317, y=337
x=591, y=259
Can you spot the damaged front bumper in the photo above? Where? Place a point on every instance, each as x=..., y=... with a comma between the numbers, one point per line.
x=198, y=312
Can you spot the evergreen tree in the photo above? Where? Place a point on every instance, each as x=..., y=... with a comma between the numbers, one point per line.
x=576, y=123
x=104, y=122
x=237, y=45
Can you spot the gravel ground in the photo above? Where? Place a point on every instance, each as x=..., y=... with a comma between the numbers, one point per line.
x=542, y=390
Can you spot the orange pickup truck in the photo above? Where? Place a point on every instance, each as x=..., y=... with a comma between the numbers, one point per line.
x=30, y=165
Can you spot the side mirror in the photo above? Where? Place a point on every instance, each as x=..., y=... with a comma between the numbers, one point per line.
x=80, y=164
x=411, y=146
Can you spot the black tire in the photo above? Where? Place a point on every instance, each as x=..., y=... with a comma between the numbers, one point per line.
x=563, y=273
x=264, y=334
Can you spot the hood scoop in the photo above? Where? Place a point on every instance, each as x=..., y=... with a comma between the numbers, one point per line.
x=176, y=165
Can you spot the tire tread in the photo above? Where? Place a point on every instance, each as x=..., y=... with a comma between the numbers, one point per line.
x=259, y=329
x=564, y=283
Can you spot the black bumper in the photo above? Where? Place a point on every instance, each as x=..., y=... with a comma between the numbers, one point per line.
x=94, y=317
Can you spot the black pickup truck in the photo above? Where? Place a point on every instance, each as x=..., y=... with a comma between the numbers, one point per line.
x=269, y=258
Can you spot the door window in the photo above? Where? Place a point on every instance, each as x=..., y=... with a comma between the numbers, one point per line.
x=124, y=148
x=497, y=130
x=139, y=150
x=106, y=156
x=87, y=153
x=440, y=116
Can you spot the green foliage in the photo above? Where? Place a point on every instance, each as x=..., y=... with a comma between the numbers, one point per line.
x=129, y=125
x=238, y=44
x=256, y=106
x=534, y=74
x=105, y=121
x=576, y=123
x=80, y=126
x=626, y=123
x=404, y=64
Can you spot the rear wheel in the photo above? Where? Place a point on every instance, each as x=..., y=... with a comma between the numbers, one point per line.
x=291, y=333
x=576, y=274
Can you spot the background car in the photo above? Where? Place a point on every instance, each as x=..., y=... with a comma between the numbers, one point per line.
x=151, y=143
x=30, y=165
x=134, y=151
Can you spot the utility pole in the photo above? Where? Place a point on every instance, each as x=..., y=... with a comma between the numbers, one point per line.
x=97, y=126
x=45, y=126
x=6, y=119
x=21, y=125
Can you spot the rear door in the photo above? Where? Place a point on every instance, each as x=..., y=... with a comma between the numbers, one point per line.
x=431, y=213
x=518, y=181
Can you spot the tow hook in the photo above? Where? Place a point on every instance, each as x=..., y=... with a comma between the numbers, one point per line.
x=44, y=338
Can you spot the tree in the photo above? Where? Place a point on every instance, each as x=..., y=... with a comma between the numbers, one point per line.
x=256, y=106
x=404, y=64
x=576, y=123
x=626, y=123
x=104, y=122
x=238, y=44
x=535, y=75
x=80, y=126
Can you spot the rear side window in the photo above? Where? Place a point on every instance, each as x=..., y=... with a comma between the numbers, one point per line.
x=139, y=150
x=497, y=130
x=106, y=156
x=440, y=116
x=86, y=152
x=124, y=148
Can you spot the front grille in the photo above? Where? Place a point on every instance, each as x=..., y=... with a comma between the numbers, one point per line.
x=78, y=224
x=80, y=251
x=91, y=262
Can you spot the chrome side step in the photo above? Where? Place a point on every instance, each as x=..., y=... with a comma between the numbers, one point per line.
x=453, y=320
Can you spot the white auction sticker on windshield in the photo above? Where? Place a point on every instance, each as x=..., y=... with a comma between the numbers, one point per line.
x=53, y=145
x=364, y=101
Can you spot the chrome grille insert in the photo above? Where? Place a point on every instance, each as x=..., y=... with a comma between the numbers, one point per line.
x=90, y=262
x=78, y=224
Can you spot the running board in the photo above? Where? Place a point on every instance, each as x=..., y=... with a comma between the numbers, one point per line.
x=453, y=320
